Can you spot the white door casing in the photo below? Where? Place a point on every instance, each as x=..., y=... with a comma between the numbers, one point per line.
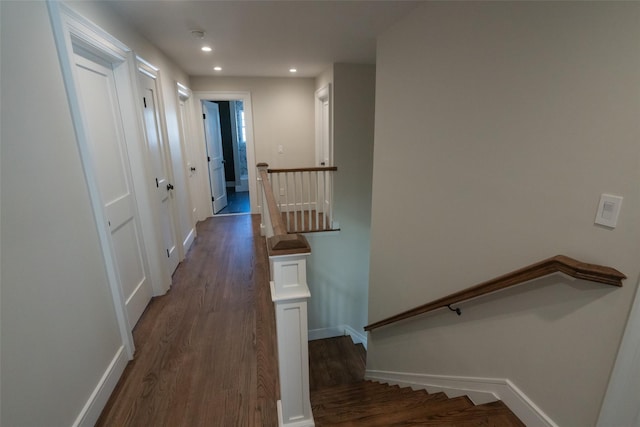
x=200, y=97
x=324, y=143
x=159, y=168
x=103, y=124
x=324, y=148
x=215, y=156
x=191, y=154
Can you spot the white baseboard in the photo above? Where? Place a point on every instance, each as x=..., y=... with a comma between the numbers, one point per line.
x=189, y=240
x=338, y=331
x=479, y=390
x=100, y=395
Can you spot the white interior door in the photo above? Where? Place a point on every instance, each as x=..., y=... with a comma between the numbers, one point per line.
x=184, y=106
x=160, y=170
x=215, y=157
x=103, y=124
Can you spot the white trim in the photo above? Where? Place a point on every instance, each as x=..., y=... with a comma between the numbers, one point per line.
x=323, y=95
x=245, y=97
x=100, y=395
x=338, y=331
x=479, y=390
x=69, y=27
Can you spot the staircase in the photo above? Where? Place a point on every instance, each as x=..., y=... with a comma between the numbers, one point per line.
x=340, y=397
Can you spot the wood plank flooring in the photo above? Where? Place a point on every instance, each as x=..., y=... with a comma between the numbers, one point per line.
x=206, y=351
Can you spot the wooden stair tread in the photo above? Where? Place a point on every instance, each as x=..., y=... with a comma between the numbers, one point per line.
x=399, y=417
x=490, y=414
x=387, y=404
x=352, y=394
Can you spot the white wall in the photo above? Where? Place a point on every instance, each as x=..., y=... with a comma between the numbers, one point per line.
x=338, y=268
x=498, y=126
x=283, y=114
x=170, y=73
x=59, y=329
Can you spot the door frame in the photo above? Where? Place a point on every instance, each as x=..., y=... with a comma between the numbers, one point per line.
x=70, y=28
x=324, y=129
x=184, y=101
x=156, y=244
x=245, y=97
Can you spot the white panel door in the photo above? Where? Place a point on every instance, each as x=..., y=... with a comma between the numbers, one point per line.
x=215, y=157
x=159, y=170
x=103, y=124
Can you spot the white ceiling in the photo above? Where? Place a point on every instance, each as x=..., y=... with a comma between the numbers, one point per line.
x=264, y=38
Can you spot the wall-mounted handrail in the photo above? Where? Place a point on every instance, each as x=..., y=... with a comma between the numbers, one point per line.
x=558, y=263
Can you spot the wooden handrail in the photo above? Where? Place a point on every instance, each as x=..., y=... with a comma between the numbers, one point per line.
x=558, y=263
x=311, y=169
x=281, y=243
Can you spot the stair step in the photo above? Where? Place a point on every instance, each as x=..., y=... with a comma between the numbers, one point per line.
x=366, y=390
x=393, y=417
x=489, y=414
x=330, y=415
x=379, y=397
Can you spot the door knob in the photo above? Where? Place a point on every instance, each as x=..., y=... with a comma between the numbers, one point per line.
x=169, y=187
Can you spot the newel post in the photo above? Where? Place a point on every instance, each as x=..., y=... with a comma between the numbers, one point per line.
x=289, y=292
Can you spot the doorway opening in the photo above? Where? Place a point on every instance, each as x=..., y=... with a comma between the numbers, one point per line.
x=242, y=182
x=226, y=144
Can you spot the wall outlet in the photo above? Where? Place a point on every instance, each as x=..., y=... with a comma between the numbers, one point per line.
x=282, y=191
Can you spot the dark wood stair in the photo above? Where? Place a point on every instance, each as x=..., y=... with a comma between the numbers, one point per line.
x=341, y=397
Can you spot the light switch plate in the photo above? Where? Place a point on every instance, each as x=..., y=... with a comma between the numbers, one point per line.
x=608, y=210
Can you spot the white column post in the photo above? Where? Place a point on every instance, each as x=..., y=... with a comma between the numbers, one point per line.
x=289, y=292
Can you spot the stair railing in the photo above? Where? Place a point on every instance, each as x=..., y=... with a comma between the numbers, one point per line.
x=304, y=197
x=558, y=263
x=289, y=293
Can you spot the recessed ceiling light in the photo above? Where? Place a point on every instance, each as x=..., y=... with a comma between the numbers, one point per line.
x=293, y=70
x=217, y=68
x=206, y=49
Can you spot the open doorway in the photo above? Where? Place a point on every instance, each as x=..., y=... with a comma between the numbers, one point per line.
x=226, y=144
x=234, y=148
x=245, y=147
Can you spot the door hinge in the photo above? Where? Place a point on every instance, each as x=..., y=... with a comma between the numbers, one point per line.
x=208, y=159
x=168, y=254
x=144, y=100
x=204, y=116
x=213, y=200
x=157, y=184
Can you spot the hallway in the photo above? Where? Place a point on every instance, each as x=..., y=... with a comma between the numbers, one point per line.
x=205, y=351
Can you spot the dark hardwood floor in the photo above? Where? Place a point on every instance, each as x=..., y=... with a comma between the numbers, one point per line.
x=206, y=351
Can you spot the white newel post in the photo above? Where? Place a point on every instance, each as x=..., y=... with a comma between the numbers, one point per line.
x=289, y=292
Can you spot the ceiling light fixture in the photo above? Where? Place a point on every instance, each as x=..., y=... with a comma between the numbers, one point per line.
x=206, y=48
x=293, y=70
x=217, y=68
